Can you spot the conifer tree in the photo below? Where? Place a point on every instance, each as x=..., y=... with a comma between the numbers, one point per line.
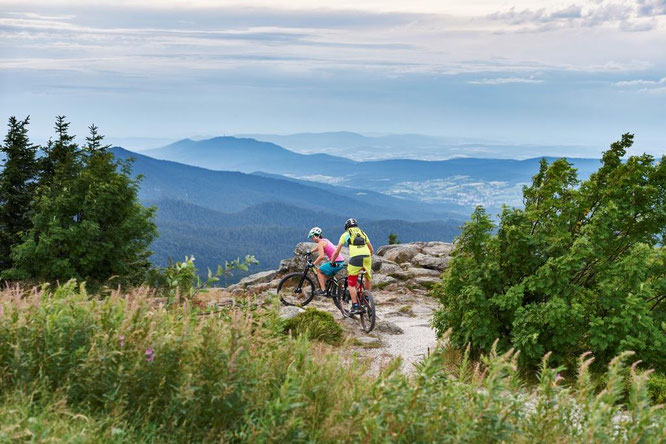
x=88, y=222
x=17, y=187
x=61, y=158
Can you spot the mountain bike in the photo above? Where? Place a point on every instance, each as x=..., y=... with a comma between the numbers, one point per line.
x=298, y=289
x=365, y=301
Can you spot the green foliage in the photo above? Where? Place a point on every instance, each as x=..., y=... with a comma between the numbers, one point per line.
x=17, y=187
x=393, y=238
x=580, y=268
x=88, y=223
x=76, y=368
x=315, y=324
x=657, y=387
x=180, y=281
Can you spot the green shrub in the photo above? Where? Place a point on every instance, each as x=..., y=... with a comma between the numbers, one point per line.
x=581, y=267
x=657, y=387
x=316, y=324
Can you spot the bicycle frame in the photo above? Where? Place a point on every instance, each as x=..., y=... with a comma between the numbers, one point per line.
x=330, y=281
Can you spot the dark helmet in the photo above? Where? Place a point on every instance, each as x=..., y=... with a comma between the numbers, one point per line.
x=351, y=222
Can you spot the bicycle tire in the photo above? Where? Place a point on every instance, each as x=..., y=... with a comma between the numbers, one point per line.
x=289, y=292
x=368, y=315
x=339, y=301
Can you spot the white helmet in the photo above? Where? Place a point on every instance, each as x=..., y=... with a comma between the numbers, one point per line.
x=315, y=231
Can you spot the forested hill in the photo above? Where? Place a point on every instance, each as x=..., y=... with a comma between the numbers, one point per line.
x=269, y=231
x=227, y=191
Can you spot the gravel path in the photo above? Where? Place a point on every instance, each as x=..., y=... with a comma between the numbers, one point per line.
x=403, y=329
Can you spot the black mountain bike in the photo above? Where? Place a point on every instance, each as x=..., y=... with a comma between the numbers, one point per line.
x=298, y=289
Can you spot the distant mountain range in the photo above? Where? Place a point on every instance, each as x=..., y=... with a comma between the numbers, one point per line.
x=453, y=185
x=412, y=146
x=228, y=191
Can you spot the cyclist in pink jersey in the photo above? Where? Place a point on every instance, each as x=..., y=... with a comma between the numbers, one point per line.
x=325, y=249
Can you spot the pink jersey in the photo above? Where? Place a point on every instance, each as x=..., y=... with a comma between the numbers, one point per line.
x=329, y=249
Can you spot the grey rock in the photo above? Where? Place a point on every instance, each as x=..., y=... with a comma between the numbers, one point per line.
x=403, y=253
x=297, y=263
x=389, y=328
x=418, y=272
x=381, y=251
x=427, y=281
x=389, y=267
x=288, y=312
x=258, y=278
x=438, y=248
x=382, y=279
x=367, y=340
x=432, y=262
x=400, y=275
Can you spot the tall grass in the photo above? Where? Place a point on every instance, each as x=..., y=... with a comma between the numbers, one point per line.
x=77, y=368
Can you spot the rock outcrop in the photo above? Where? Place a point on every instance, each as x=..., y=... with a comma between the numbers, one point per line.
x=412, y=267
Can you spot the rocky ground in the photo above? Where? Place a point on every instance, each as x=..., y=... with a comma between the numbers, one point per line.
x=402, y=276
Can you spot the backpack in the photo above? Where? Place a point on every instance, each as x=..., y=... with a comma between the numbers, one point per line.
x=356, y=236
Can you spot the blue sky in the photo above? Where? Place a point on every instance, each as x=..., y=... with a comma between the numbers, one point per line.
x=545, y=72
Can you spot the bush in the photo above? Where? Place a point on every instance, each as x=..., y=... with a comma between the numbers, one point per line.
x=581, y=268
x=315, y=324
x=78, y=369
x=657, y=387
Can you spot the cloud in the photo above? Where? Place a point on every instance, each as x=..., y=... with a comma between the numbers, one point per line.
x=651, y=8
x=640, y=82
x=644, y=86
x=632, y=16
x=504, y=81
x=515, y=16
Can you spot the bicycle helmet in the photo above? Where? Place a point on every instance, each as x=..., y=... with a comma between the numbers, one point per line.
x=351, y=222
x=315, y=231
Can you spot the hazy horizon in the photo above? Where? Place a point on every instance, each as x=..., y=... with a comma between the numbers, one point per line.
x=520, y=72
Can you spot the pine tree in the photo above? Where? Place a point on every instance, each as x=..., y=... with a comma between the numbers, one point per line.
x=89, y=223
x=62, y=157
x=17, y=187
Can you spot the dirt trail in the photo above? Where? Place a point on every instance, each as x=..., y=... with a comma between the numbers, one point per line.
x=403, y=328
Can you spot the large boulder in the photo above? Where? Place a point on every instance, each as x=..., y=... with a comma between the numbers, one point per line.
x=438, y=248
x=419, y=272
x=297, y=263
x=258, y=278
x=389, y=267
x=382, y=280
x=381, y=251
x=403, y=252
x=432, y=262
x=289, y=312
x=427, y=281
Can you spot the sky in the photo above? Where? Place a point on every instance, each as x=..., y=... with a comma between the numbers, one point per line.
x=575, y=72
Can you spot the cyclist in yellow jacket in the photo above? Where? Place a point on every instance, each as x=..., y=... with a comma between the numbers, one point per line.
x=360, y=257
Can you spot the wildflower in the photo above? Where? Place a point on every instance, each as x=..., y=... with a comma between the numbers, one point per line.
x=558, y=378
x=121, y=340
x=150, y=355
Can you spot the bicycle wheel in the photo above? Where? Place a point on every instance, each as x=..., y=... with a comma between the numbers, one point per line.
x=296, y=289
x=368, y=315
x=343, y=302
